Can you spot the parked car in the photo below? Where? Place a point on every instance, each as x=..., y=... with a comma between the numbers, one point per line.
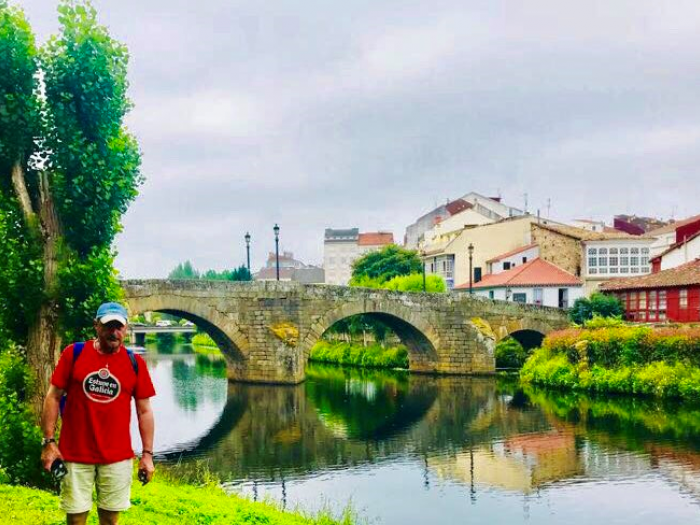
x=164, y=323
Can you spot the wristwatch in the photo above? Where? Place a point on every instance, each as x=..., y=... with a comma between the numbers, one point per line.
x=46, y=441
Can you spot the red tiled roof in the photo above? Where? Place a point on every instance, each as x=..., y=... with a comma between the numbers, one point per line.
x=537, y=272
x=375, y=239
x=673, y=226
x=457, y=206
x=511, y=253
x=684, y=275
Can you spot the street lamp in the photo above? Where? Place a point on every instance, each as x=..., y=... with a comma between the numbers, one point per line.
x=470, y=248
x=247, y=249
x=422, y=263
x=276, y=229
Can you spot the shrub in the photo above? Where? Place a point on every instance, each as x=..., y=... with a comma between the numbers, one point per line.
x=585, y=308
x=372, y=356
x=20, y=437
x=510, y=354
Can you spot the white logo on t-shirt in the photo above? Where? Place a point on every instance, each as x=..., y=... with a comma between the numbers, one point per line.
x=101, y=386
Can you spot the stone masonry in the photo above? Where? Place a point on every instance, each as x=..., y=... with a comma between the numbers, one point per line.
x=266, y=329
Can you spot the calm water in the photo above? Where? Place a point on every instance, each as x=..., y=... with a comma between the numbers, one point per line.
x=404, y=449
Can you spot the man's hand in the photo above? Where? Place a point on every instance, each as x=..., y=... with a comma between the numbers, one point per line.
x=146, y=465
x=49, y=454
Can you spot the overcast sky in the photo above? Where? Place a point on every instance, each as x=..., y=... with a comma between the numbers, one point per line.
x=318, y=114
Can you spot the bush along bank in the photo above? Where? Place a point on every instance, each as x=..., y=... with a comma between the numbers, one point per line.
x=663, y=362
x=351, y=354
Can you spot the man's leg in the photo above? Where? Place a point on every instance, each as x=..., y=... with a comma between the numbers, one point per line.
x=108, y=517
x=77, y=519
x=113, y=484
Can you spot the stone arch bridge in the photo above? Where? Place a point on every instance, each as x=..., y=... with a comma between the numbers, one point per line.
x=266, y=329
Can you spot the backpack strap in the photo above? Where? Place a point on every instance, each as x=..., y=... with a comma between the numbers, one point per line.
x=77, y=350
x=134, y=362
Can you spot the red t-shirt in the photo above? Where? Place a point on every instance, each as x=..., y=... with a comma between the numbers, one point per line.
x=97, y=415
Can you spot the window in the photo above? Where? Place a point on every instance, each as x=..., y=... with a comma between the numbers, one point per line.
x=645, y=261
x=634, y=261
x=634, y=251
x=624, y=261
x=602, y=261
x=613, y=261
x=593, y=271
x=538, y=296
x=624, y=270
x=624, y=251
x=593, y=261
x=613, y=251
x=645, y=251
x=603, y=270
x=662, y=300
x=633, y=301
x=603, y=251
x=524, y=260
x=642, y=300
x=520, y=297
x=477, y=274
x=592, y=251
x=683, y=298
x=634, y=269
x=506, y=266
x=491, y=294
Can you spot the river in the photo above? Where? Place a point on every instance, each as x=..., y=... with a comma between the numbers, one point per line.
x=403, y=449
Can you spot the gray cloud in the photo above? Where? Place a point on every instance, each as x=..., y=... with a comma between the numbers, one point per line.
x=316, y=114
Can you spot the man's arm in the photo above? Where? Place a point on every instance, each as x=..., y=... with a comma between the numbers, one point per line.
x=49, y=416
x=146, y=428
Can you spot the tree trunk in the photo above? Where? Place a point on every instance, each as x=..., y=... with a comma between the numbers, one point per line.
x=43, y=341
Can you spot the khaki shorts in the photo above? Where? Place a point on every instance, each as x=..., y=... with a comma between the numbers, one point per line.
x=112, y=483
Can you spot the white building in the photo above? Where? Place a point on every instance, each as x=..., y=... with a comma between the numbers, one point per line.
x=342, y=247
x=678, y=254
x=591, y=226
x=667, y=236
x=536, y=282
x=513, y=258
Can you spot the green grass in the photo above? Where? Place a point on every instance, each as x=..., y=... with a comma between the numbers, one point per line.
x=350, y=354
x=203, y=344
x=159, y=503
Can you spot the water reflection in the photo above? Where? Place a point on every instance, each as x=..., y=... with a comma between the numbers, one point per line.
x=412, y=448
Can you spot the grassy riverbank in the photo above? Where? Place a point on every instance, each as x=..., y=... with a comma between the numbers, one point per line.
x=662, y=362
x=353, y=354
x=159, y=503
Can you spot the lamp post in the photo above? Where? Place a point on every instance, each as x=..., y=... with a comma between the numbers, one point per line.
x=422, y=263
x=276, y=229
x=247, y=249
x=470, y=248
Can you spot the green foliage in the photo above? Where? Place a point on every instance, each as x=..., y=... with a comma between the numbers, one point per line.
x=404, y=283
x=385, y=264
x=20, y=438
x=163, y=502
x=73, y=131
x=603, y=305
x=95, y=163
x=622, y=359
x=598, y=321
x=510, y=354
x=372, y=356
x=187, y=271
x=184, y=271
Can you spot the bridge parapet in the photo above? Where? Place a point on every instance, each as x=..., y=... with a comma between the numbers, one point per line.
x=266, y=329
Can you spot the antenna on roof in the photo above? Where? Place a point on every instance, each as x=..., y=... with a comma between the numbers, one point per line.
x=549, y=207
x=525, y=196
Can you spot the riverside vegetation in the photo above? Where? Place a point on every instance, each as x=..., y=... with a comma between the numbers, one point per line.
x=611, y=357
x=353, y=354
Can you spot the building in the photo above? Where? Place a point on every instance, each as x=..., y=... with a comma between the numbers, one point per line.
x=673, y=233
x=489, y=209
x=448, y=255
x=341, y=247
x=513, y=258
x=677, y=254
x=592, y=226
x=291, y=269
x=535, y=282
x=593, y=256
x=668, y=295
x=634, y=225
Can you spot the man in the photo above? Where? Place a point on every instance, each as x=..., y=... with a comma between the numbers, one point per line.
x=99, y=378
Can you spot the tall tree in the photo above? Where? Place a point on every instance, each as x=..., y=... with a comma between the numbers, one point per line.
x=68, y=171
x=385, y=264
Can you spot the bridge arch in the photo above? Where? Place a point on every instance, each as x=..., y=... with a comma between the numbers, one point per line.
x=221, y=328
x=420, y=338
